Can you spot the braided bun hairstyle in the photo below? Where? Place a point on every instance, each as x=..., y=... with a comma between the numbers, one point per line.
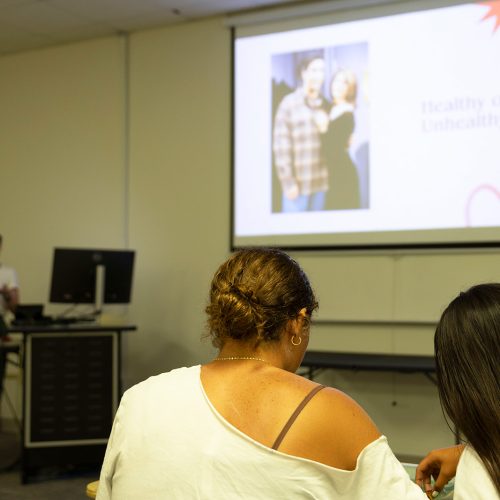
x=254, y=294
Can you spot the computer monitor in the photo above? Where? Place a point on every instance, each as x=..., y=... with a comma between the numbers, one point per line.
x=91, y=276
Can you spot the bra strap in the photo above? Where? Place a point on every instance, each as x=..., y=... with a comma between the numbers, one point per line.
x=295, y=414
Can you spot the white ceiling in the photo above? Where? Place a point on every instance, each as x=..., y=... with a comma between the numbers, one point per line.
x=31, y=24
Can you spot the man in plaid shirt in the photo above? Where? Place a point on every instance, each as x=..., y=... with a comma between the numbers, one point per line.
x=296, y=142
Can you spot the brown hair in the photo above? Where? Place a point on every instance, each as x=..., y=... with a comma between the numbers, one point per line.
x=254, y=294
x=352, y=85
x=467, y=346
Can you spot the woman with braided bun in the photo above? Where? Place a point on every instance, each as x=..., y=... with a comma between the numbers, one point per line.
x=245, y=426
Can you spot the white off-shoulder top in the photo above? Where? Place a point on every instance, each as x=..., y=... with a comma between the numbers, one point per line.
x=169, y=442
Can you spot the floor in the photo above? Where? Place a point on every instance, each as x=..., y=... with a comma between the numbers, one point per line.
x=50, y=484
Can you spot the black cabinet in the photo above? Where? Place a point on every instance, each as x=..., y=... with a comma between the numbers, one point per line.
x=71, y=392
x=71, y=381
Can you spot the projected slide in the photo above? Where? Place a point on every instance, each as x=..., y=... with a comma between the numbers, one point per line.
x=380, y=131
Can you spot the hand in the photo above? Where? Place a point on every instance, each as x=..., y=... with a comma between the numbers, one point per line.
x=440, y=464
x=10, y=296
x=293, y=192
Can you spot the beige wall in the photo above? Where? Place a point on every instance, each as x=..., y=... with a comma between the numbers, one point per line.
x=83, y=165
x=179, y=195
x=61, y=155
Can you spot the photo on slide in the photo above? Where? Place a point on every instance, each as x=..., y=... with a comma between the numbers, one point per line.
x=320, y=142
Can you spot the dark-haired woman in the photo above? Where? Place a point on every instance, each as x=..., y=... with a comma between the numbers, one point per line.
x=467, y=348
x=245, y=426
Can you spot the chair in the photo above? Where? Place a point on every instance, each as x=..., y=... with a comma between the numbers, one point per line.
x=7, y=347
x=92, y=489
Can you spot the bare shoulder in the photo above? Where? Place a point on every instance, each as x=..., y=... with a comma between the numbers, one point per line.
x=335, y=408
x=346, y=414
x=333, y=430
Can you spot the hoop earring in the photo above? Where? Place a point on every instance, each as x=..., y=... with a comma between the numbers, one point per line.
x=298, y=343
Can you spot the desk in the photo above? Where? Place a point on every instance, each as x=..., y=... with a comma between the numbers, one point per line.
x=317, y=360
x=71, y=391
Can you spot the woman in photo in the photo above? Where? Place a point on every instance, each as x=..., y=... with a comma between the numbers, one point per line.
x=343, y=193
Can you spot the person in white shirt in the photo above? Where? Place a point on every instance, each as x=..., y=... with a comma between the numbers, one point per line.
x=9, y=287
x=9, y=298
x=245, y=425
x=467, y=348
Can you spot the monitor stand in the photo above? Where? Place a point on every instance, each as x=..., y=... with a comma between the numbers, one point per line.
x=100, y=284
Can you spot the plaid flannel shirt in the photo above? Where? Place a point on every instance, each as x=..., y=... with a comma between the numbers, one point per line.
x=297, y=145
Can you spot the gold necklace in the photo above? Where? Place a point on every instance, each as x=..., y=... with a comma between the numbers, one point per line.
x=231, y=358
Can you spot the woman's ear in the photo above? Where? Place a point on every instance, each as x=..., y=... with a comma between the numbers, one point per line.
x=304, y=320
x=301, y=322
x=297, y=325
